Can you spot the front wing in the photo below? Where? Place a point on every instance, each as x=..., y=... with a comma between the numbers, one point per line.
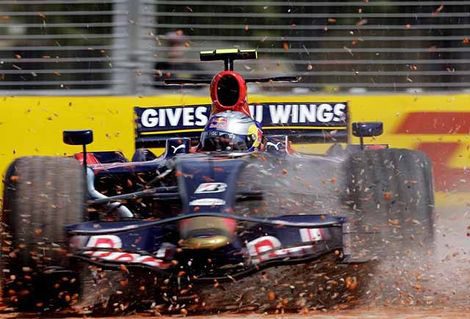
x=259, y=243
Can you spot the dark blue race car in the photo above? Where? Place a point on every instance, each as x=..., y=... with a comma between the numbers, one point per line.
x=229, y=205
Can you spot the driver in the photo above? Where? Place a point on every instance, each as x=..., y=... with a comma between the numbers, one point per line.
x=231, y=131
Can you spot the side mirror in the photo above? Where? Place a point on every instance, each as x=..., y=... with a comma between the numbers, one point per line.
x=80, y=137
x=367, y=129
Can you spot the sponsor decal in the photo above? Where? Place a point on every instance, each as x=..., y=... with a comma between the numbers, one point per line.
x=173, y=116
x=133, y=258
x=256, y=135
x=205, y=188
x=307, y=113
x=310, y=234
x=112, y=242
x=271, y=144
x=441, y=152
x=263, y=248
x=207, y=202
x=269, y=247
x=154, y=119
x=218, y=123
x=104, y=241
x=177, y=148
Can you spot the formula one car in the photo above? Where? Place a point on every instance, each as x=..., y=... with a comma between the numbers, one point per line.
x=96, y=227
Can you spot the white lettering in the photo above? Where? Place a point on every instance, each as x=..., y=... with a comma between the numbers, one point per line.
x=149, y=118
x=324, y=113
x=340, y=112
x=174, y=116
x=280, y=113
x=259, y=113
x=161, y=117
x=188, y=116
x=307, y=113
x=201, y=118
x=252, y=110
x=295, y=113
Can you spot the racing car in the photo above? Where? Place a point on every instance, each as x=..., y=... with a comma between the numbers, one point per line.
x=94, y=227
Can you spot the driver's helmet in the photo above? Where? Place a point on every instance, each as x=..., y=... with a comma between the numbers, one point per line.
x=231, y=131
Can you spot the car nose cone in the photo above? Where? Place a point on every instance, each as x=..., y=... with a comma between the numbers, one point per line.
x=206, y=232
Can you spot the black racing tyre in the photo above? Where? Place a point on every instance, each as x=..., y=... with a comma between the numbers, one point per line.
x=41, y=196
x=391, y=191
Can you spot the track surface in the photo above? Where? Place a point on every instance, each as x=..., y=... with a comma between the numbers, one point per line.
x=364, y=312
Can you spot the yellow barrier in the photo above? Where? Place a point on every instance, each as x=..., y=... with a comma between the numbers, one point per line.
x=436, y=124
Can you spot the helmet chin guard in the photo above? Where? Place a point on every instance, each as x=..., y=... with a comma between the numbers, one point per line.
x=228, y=93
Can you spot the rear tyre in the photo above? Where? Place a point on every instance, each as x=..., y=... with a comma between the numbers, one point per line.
x=392, y=195
x=41, y=196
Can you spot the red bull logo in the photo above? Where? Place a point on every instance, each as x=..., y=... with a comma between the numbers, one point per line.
x=219, y=123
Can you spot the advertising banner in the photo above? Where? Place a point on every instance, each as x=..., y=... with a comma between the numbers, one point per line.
x=438, y=125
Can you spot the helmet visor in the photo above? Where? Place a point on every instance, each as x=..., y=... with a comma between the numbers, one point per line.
x=222, y=141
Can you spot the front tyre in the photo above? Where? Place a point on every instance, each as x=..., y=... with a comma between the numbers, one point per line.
x=41, y=196
x=392, y=197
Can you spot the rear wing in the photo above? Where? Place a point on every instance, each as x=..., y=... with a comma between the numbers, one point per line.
x=302, y=122
x=228, y=56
